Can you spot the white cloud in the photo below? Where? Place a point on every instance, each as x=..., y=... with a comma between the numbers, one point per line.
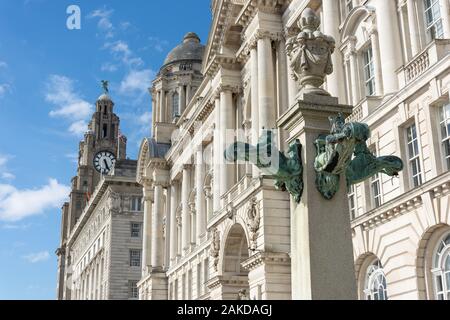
x=136, y=81
x=104, y=21
x=4, y=89
x=3, y=160
x=158, y=44
x=61, y=93
x=4, y=174
x=37, y=257
x=16, y=204
x=109, y=67
x=3, y=64
x=78, y=128
x=121, y=51
x=145, y=118
x=7, y=176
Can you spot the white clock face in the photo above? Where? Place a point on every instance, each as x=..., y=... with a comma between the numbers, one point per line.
x=104, y=161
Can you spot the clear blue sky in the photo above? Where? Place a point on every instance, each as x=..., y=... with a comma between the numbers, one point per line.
x=49, y=81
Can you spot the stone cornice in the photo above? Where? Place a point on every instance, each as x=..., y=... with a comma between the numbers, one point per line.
x=264, y=258
x=250, y=9
x=411, y=200
x=243, y=53
x=218, y=61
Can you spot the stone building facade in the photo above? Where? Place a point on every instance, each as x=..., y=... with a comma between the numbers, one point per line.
x=225, y=226
x=101, y=230
x=213, y=229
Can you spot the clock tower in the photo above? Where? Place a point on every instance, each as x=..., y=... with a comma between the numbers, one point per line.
x=101, y=147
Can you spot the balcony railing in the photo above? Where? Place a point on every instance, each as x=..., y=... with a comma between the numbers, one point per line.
x=432, y=54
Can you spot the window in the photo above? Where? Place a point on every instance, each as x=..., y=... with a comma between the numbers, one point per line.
x=433, y=20
x=376, y=190
x=135, y=230
x=105, y=131
x=441, y=269
x=444, y=119
x=413, y=155
x=135, y=258
x=352, y=201
x=133, y=292
x=375, y=287
x=136, y=204
x=175, y=105
x=369, y=71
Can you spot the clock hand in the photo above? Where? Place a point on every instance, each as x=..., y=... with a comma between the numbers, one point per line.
x=106, y=164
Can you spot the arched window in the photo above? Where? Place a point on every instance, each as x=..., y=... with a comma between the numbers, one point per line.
x=375, y=287
x=441, y=269
x=175, y=105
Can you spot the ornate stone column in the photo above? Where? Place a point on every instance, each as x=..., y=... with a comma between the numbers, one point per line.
x=173, y=221
x=266, y=89
x=157, y=261
x=200, y=198
x=227, y=124
x=217, y=156
x=254, y=99
x=350, y=57
x=413, y=27
x=147, y=226
x=374, y=40
x=331, y=24
x=162, y=106
x=445, y=14
x=390, y=53
x=186, y=221
x=182, y=98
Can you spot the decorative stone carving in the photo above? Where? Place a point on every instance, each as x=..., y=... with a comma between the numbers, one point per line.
x=243, y=295
x=286, y=170
x=113, y=202
x=215, y=248
x=231, y=211
x=335, y=152
x=253, y=222
x=310, y=53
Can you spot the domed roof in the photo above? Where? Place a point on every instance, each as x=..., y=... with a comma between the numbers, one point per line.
x=104, y=97
x=190, y=49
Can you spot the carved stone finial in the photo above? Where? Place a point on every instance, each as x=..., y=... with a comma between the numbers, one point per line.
x=309, y=21
x=310, y=53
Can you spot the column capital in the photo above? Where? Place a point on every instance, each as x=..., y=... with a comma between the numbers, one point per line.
x=349, y=48
x=187, y=166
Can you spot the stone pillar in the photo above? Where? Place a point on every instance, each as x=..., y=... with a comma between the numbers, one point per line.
x=350, y=57
x=413, y=27
x=200, y=198
x=173, y=222
x=147, y=226
x=157, y=225
x=283, y=93
x=188, y=93
x=331, y=24
x=162, y=106
x=185, y=214
x=321, y=240
x=157, y=106
x=445, y=14
x=254, y=101
x=374, y=40
x=182, y=98
x=227, y=124
x=266, y=90
x=218, y=158
x=390, y=53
